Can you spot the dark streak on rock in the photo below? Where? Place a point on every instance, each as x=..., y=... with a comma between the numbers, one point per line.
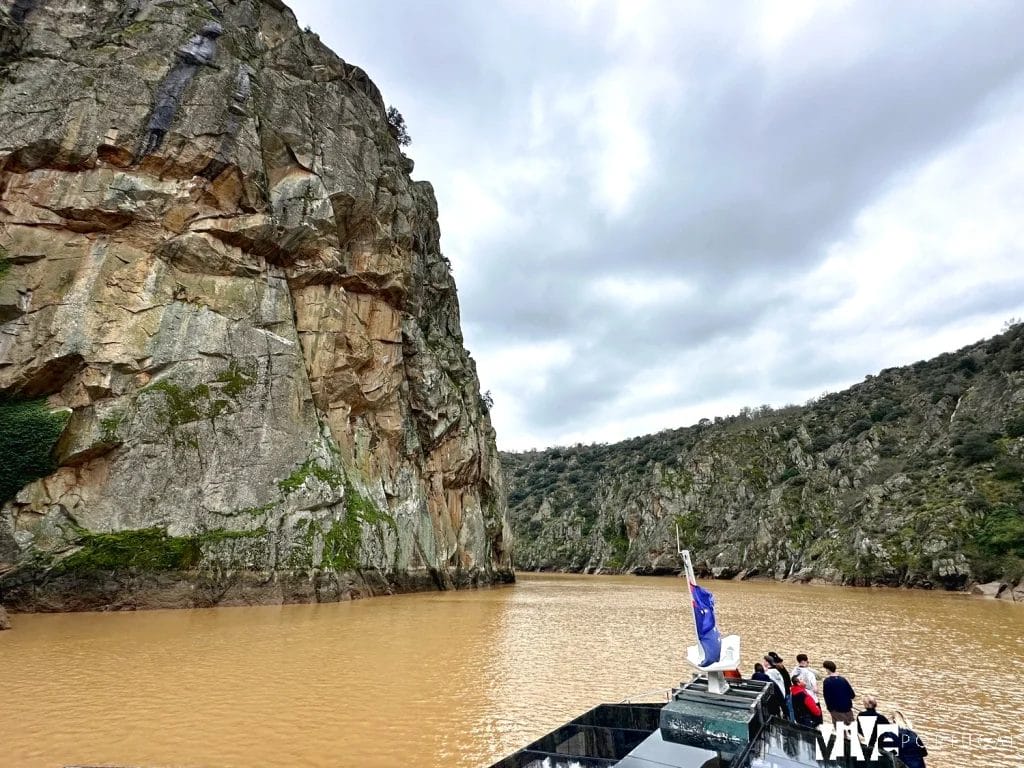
x=12, y=29
x=20, y=9
x=129, y=12
x=199, y=51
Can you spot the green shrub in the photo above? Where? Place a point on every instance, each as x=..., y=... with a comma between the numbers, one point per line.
x=397, y=127
x=1008, y=469
x=857, y=427
x=615, y=534
x=788, y=473
x=887, y=410
x=1002, y=532
x=975, y=446
x=968, y=365
x=821, y=442
x=977, y=503
x=28, y=432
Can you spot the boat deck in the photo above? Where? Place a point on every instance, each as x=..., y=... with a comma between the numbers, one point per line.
x=694, y=730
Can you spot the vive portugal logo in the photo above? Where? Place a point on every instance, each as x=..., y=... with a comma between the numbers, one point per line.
x=845, y=740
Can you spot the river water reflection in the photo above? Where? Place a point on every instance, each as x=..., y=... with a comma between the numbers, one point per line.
x=460, y=679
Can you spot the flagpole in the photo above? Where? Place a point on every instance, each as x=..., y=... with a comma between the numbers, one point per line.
x=691, y=580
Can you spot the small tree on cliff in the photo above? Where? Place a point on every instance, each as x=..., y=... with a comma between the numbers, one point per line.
x=396, y=125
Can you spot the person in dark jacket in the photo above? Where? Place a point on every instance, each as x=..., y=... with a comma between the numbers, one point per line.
x=871, y=710
x=838, y=694
x=805, y=709
x=774, y=702
x=912, y=750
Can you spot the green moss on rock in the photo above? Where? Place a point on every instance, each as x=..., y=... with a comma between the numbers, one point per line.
x=236, y=380
x=344, y=539
x=310, y=468
x=182, y=405
x=109, y=425
x=146, y=549
x=28, y=432
x=186, y=405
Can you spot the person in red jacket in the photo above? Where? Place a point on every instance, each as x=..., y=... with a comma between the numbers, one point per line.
x=805, y=709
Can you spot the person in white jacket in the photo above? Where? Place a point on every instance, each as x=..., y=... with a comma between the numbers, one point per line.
x=807, y=676
x=774, y=675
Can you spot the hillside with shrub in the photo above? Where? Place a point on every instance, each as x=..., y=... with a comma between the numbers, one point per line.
x=913, y=477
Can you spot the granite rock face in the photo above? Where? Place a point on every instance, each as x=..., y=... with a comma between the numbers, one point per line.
x=914, y=477
x=214, y=259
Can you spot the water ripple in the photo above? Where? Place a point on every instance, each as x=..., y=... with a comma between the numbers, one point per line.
x=460, y=679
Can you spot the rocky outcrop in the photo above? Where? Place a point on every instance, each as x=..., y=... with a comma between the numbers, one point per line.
x=225, y=308
x=914, y=477
x=1015, y=594
x=992, y=589
x=5, y=622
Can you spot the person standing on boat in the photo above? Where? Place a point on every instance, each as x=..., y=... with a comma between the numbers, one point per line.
x=912, y=750
x=773, y=698
x=838, y=693
x=810, y=680
x=871, y=710
x=805, y=709
x=780, y=667
x=774, y=675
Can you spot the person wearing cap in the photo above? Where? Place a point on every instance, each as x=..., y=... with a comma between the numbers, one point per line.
x=807, y=675
x=838, y=693
x=780, y=667
x=775, y=676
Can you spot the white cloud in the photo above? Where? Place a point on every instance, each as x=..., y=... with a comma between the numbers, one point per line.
x=638, y=293
x=946, y=233
x=659, y=212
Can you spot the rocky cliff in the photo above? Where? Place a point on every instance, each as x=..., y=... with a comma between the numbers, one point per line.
x=914, y=477
x=231, y=367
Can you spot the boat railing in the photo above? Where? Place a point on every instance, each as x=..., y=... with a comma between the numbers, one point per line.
x=664, y=693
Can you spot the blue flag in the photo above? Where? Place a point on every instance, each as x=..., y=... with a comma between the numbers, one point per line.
x=707, y=632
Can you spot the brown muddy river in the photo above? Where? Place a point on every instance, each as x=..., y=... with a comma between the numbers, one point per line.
x=460, y=679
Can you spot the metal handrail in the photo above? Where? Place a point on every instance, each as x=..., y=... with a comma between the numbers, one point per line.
x=666, y=692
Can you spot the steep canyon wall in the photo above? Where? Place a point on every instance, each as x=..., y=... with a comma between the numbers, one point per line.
x=231, y=364
x=913, y=477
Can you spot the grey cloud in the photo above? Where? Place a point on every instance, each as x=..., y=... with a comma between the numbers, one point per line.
x=999, y=297
x=758, y=167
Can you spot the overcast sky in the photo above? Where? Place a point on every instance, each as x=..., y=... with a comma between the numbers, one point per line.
x=661, y=211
